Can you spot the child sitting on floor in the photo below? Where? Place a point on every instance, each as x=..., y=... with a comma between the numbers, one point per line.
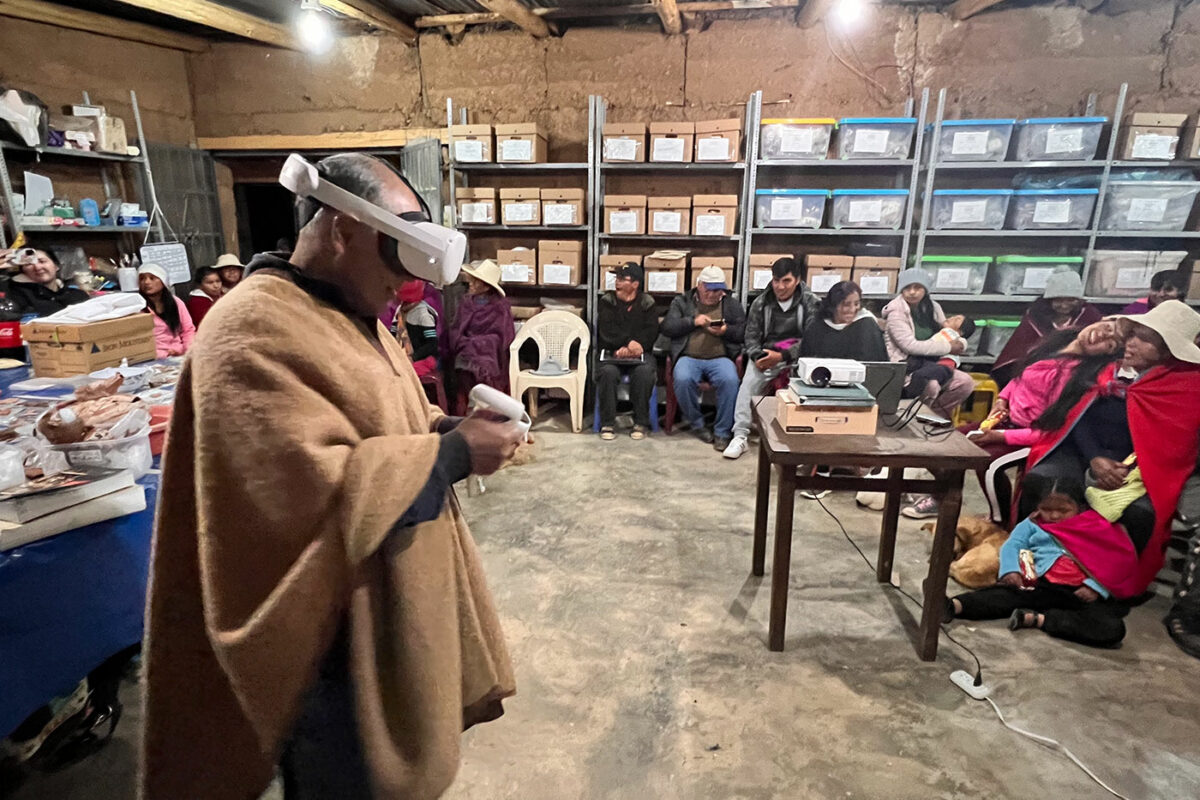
x=1042, y=585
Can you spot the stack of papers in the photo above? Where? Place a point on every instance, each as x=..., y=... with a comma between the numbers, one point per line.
x=63, y=501
x=854, y=396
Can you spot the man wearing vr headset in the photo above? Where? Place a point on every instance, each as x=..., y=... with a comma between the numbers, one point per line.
x=316, y=599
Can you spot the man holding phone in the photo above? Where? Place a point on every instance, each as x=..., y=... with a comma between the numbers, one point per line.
x=774, y=327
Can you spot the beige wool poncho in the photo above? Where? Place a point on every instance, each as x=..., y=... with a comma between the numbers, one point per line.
x=294, y=448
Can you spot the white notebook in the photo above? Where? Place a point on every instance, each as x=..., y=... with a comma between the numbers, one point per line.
x=125, y=501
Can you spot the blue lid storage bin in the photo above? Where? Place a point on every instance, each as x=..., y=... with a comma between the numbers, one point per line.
x=1052, y=209
x=869, y=208
x=789, y=208
x=1148, y=205
x=969, y=209
x=974, y=139
x=1059, y=138
x=876, y=137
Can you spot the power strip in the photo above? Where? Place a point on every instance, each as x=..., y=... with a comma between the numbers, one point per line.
x=966, y=681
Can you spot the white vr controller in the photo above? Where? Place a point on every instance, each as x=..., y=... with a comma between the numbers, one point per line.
x=483, y=396
x=427, y=250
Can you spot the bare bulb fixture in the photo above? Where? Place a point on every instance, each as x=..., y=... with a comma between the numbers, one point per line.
x=848, y=14
x=313, y=28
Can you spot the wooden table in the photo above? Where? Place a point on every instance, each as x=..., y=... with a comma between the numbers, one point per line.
x=947, y=456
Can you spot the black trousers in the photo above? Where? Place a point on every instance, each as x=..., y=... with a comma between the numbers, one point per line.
x=1097, y=624
x=927, y=369
x=642, y=378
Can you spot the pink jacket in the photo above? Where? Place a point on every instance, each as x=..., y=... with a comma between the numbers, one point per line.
x=165, y=340
x=1031, y=393
x=902, y=340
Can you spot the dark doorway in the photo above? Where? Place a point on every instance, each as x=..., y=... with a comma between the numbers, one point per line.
x=264, y=212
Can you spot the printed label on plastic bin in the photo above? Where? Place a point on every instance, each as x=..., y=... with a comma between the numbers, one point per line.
x=874, y=284
x=667, y=150
x=965, y=212
x=1035, y=277
x=516, y=273
x=787, y=209
x=468, y=150
x=712, y=149
x=620, y=149
x=516, y=150
x=761, y=279
x=710, y=225
x=559, y=213
x=1052, y=212
x=1064, y=140
x=796, y=140
x=557, y=274
x=477, y=212
x=823, y=283
x=865, y=211
x=667, y=222
x=969, y=143
x=869, y=140
x=520, y=212
x=1134, y=277
x=953, y=278
x=1154, y=145
x=622, y=222
x=667, y=281
x=1146, y=209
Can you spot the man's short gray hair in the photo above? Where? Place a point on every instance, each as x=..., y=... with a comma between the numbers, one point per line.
x=357, y=173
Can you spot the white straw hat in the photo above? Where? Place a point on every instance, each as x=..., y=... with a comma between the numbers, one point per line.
x=487, y=271
x=228, y=260
x=1177, y=324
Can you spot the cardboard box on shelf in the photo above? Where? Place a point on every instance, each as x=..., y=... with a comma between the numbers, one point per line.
x=795, y=418
x=718, y=140
x=518, y=265
x=668, y=216
x=1151, y=135
x=624, y=142
x=58, y=351
x=671, y=142
x=714, y=214
x=520, y=143
x=610, y=263
x=110, y=135
x=823, y=271
x=876, y=275
x=476, y=205
x=471, y=144
x=760, y=269
x=665, y=271
x=560, y=263
x=625, y=213
x=723, y=263
x=563, y=206
x=522, y=206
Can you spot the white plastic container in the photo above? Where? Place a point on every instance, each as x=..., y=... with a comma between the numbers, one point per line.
x=130, y=452
x=869, y=208
x=1127, y=273
x=974, y=139
x=1052, y=209
x=1058, y=138
x=1015, y=275
x=970, y=209
x=802, y=138
x=789, y=208
x=1148, y=205
x=876, y=137
x=956, y=274
x=996, y=334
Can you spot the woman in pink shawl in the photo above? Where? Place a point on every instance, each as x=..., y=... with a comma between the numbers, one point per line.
x=481, y=332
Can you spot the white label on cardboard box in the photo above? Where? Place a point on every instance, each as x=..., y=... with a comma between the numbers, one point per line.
x=1064, y=140
x=667, y=150
x=516, y=273
x=823, y=283
x=1052, y=212
x=468, y=150
x=520, y=212
x=516, y=150
x=557, y=274
x=787, y=209
x=796, y=140
x=874, y=284
x=716, y=149
x=477, y=212
x=1134, y=277
x=559, y=213
x=865, y=211
x=761, y=279
x=610, y=281
x=620, y=149
x=710, y=225
x=869, y=140
x=953, y=278
x=1147, y=209
x=1154, y=145
x=622, y=222
x=667, y=222
x=966, y=212
x=969, y=143
x=667, y=281
x=1036, y=277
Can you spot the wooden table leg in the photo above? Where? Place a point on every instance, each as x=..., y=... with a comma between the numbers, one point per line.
x=781, y=561
x=891, y=518
x=949, y=504
x=762, y=504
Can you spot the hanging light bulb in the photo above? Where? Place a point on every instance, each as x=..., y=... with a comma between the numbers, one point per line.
x=848, y=13
x=313, y=28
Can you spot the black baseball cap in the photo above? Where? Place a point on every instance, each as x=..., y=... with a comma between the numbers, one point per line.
x=632, y=270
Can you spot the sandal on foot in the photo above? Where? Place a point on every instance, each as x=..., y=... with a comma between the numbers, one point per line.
x=607, y=434
x=638, y=432
x=1022, y=618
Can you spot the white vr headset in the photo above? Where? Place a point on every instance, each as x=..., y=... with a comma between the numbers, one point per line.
x=425, y=249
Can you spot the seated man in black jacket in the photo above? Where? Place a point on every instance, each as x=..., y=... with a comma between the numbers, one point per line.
x=706, y=326
x=626, y=327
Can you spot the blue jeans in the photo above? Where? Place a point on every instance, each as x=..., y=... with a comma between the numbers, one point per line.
x=722, y=374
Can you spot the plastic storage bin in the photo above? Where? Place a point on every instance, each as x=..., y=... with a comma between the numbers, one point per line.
x=790, y=208
x=806, y=137
x=974, y=339
x=1058, y=138
x=131, y=453
x=1127, y=273
x=1028, y=274
x=876, y=137
x=869, y=208
x=956, y=274
x=1148, y=205
x=974, y=139
x=973, y=209
x=996, y=334
x=1062, y=209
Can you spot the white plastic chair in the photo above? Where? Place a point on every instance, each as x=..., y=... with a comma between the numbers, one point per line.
x=554, y=332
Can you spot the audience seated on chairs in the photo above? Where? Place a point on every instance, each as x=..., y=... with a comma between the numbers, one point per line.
x=1166, y=285
x=481, y=332
x=706, y=326
x=843, y=328
x=208, y=290
x=1061, y=307
x=774, y=326
x=626, y=327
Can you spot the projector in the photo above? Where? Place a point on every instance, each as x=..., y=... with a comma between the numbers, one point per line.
x=830, y=371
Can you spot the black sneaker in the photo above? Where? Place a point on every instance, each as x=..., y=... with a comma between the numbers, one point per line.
x=721, y=442
x=704, y=435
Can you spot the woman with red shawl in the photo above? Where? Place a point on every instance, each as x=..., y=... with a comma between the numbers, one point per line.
x=1061, y=307
x=481, y=332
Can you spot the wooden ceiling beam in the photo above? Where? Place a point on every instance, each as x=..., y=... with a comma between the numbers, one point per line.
x=585, y=12
x=79, y=20
x=520, y=15
x=335, y=140
x=963, y=9
x=373, y=15
x=668, y=12
x=222, y=18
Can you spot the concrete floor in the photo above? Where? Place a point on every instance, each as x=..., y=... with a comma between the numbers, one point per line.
x=622, y=574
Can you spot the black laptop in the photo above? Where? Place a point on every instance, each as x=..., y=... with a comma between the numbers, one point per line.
x=885, y=381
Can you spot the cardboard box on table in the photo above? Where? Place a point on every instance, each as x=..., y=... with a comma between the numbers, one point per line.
x=794, y=418
x=476, y=205
x=718, y=140
x=518, y=265
x=761, y=265
x=671, y=142
x=562, y=206
x=625, y=214
x=521, y=206
x=714, y=214
x=58, y=351
x=723, y=263
x=876, y=274
x=609, y=264
x=560, y=263
x=624, y=142
x=665, y=270
x=668, y=216
x=472, y=144
x=520, y=143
